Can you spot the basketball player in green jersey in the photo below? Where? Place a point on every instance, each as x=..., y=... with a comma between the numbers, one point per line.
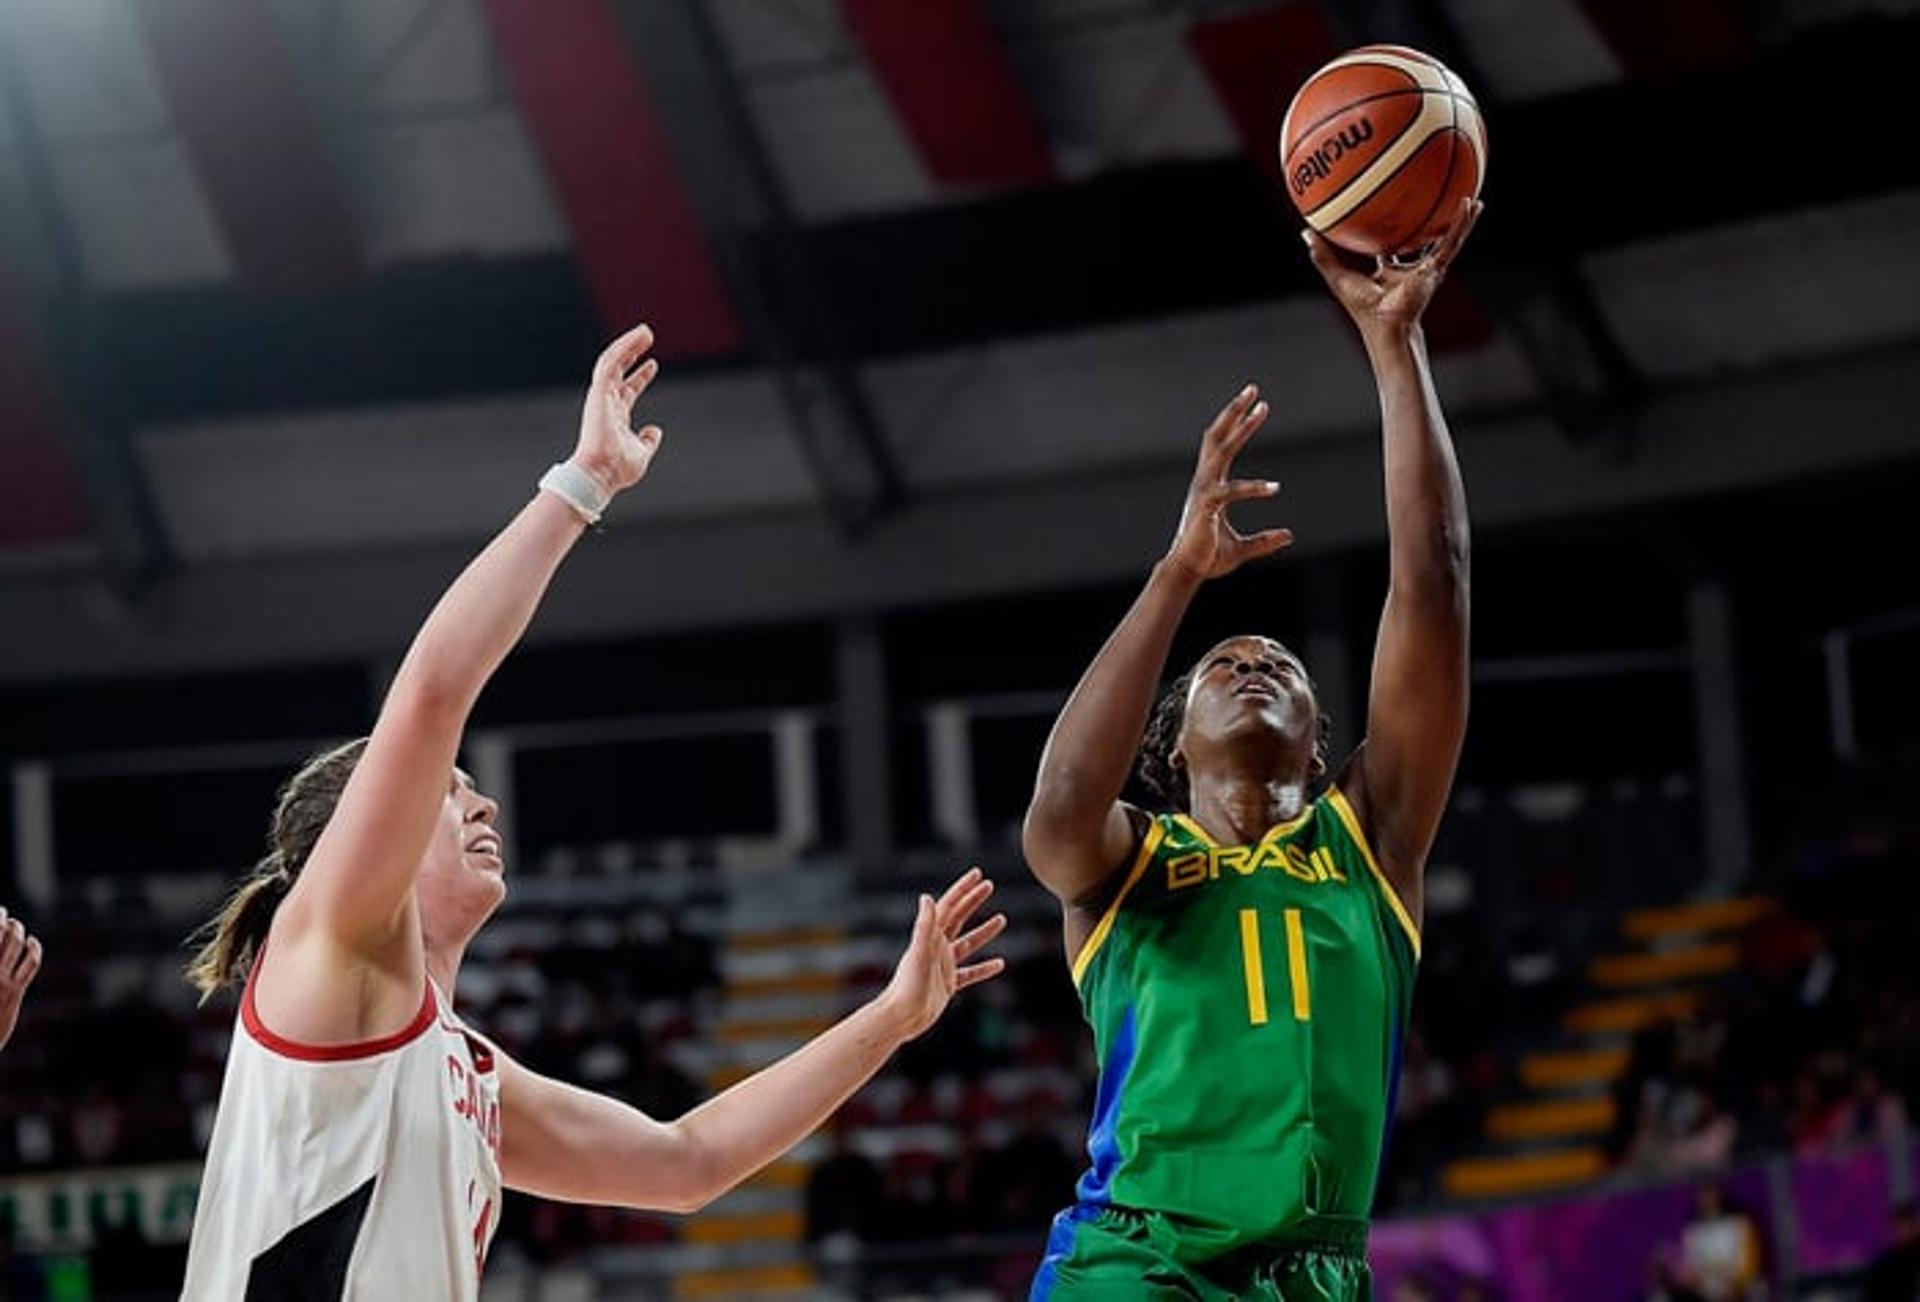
x=1247, y=961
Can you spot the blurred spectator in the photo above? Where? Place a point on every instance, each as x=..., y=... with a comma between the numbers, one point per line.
x=1879, y=1116
x=1666, y=1285
x=1029, y=1178
x=1705, y=1137
x=1425, y=1114
x=1719, y=1250
x=1822, y=1108
x=843, y=1197
x=1894, y=1275
x=913, y=1206
x=1814, y=1043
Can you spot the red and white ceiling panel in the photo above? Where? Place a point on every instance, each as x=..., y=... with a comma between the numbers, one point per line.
x=1529, y=49
x=425, y=130
x=605, y=149
x=829, y=131
x=1114, y=84
x=40, y=494
x=945, y=72
x=255, y=141
x=126, y=190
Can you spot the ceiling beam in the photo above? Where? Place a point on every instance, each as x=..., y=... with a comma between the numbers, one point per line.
x=1536, y=289
x=1030, y=537
x=53, y=365
x=1573, y=175
x=782, y=293
x=596, y=127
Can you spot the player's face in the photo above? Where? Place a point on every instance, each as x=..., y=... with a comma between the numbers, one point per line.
x=464, y=877
x=1249, y=686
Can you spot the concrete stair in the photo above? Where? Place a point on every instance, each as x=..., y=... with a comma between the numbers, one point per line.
x=784, y=964
x=1552, y=1136
x=1573, y=1069
x=1515, y=1174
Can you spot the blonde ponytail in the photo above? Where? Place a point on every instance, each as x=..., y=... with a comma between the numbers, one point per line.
x=228, y=942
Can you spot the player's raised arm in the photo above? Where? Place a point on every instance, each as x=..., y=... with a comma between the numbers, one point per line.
x=1077, y=831
x=356, y=889
x=1417, y=704
x=568, y=1143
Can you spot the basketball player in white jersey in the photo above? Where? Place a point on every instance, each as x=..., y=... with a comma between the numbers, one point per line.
x=364, y=1132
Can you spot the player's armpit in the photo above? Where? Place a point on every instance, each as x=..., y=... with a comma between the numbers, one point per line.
x=1079, y=869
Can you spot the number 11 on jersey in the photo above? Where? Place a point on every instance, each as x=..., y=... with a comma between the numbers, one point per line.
x=1256, y=975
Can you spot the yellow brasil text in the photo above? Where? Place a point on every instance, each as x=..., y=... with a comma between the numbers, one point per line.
x=1295, y=862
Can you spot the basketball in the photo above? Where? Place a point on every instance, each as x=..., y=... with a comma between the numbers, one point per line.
x=1380, y=146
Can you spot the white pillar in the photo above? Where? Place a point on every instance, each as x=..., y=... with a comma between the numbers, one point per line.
x=1328, y=654
x=956, y=814
x=796, y=779
x=1723, y=786
x=33, y=832
x=1836, y=652
x=860, y=672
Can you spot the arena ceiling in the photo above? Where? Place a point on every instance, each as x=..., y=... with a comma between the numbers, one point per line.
x=300, y=291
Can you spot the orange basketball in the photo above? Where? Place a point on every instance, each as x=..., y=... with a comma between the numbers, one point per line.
x=1380, y=146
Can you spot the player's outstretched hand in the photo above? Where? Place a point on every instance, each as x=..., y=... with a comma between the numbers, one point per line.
x=609, y=449
x=935, y=966
x=1395, y=294
x=1206, y=544
x=19, y=964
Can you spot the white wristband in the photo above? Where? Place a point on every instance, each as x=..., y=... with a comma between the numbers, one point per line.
x=577, y=489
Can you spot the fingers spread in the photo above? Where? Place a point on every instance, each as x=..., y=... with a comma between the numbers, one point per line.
x=955, y=913
x=969, y=945
x=1449, y=246
x=1320, y=250
x=1245, y=490
x=1245, y=428
x=1267, y=542
x=978, y=972
x=635, y=384
x=1229, y=417
x=622, y=354
x=1235, y=408
x=1340, y=277
x=959, y=885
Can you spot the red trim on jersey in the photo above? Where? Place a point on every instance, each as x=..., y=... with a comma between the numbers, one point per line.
x=250, y=1018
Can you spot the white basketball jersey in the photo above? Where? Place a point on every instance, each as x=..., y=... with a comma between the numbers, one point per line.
x=364, y=1171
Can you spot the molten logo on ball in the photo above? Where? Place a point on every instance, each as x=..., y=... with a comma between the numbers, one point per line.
x=1315, y=166
x=1379, y=147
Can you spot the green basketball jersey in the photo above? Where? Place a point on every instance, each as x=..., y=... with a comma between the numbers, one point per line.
x=1248, y=1005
